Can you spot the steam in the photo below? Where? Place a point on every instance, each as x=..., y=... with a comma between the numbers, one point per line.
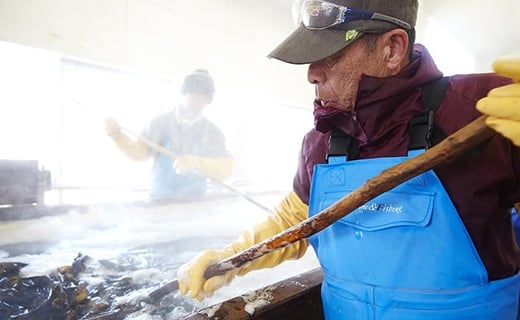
x=147, y=243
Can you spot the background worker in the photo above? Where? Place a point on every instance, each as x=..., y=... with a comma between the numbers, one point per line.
x=439, y=246
x=196, y=146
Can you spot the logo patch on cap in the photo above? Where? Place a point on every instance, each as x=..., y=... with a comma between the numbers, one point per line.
x=351, y=34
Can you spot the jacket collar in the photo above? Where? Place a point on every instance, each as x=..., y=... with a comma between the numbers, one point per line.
x=382, y=103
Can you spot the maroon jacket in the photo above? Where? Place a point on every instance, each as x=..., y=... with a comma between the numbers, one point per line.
x=482, y=186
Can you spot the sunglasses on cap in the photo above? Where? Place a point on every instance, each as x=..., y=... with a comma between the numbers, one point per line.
x=319, y=15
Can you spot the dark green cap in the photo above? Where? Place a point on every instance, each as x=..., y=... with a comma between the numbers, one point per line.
x=307, y=46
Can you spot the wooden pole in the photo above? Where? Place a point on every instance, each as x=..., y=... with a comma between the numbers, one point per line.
x=453, y=146
x=456, y=144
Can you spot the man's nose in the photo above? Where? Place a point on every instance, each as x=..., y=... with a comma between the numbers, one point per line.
x=315, y=74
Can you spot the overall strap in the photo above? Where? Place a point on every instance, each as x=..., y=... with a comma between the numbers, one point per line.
x=342, y=144
x=423, y=133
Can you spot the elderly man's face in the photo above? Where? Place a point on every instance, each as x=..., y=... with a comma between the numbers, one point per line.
x=336, y=78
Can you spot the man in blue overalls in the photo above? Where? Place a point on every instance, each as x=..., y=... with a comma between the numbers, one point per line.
x=439, y=246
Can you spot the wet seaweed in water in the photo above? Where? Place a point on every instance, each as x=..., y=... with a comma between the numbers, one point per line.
x=59, y=295
x=65, y=294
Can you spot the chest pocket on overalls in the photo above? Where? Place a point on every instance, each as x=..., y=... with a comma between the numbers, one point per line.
x=394, y=208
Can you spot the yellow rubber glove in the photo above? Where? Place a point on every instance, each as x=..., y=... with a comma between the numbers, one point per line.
x=502, y=104
x=133, y=149
x=191, y=275
x=112, y=127
x=219, y=168
x=288, y=213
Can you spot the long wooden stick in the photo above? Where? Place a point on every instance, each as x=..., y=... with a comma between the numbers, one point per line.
x=456, y=144
x=453, y=146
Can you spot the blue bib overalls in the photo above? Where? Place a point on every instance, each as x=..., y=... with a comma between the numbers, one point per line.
x=403, y=255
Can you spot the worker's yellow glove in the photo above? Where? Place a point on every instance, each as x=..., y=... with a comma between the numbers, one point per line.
x=112, y=127
x=134, y=149
x=218, y=168
x=288, y=213
x=191, y=275
x=186, y=164
x=502, y=104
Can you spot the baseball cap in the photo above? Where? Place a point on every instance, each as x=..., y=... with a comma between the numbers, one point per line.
x=306, y=45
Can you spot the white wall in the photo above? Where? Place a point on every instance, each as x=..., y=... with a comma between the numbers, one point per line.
x=467, y=36
x=166, y=37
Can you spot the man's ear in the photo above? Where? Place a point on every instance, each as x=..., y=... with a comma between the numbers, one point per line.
x=395, y=49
